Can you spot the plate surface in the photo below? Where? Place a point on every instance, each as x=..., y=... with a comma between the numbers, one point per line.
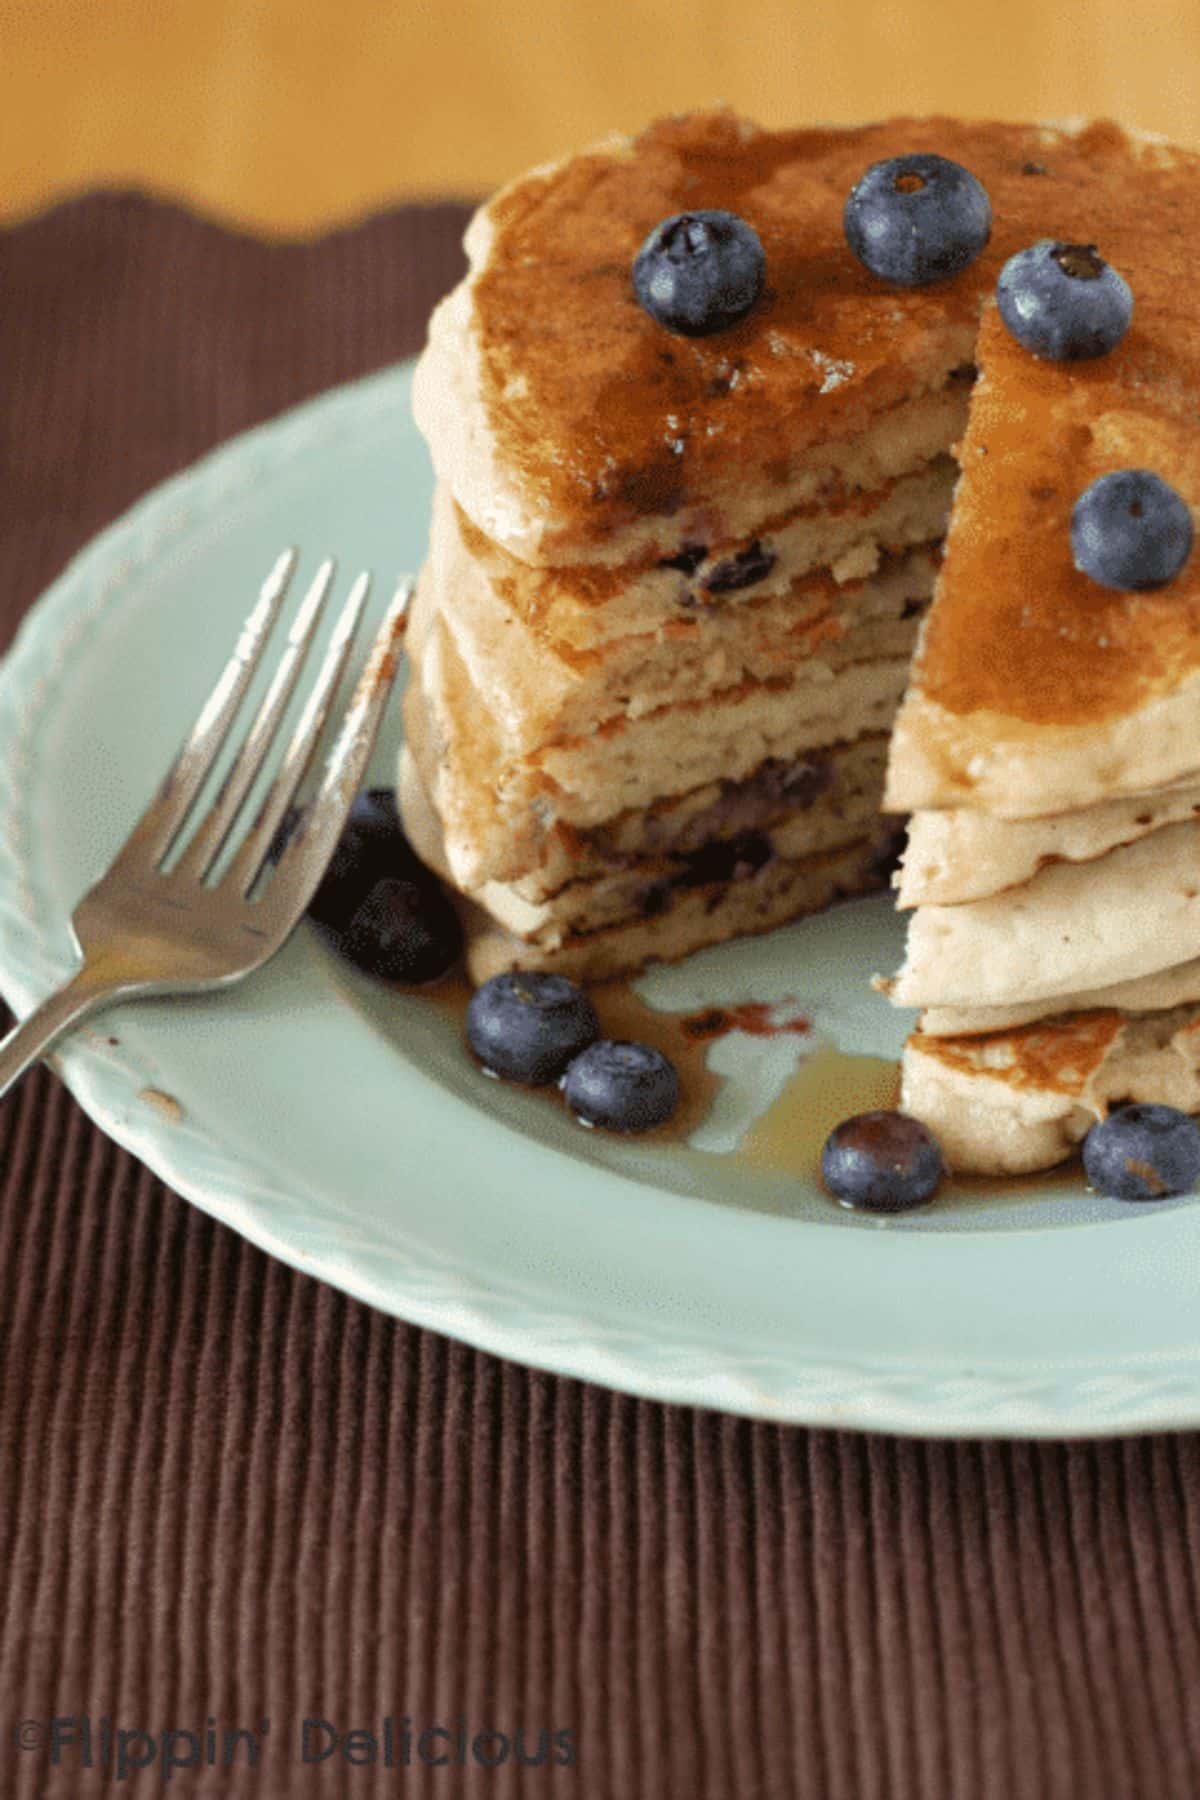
x=341, y=1127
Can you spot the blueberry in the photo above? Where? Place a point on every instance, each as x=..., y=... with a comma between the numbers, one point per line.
x=698, y=272
x=741, y=570
x=372, y=845
x=624, y=1087
x=527, y=1026
x=404, y=931
x=917, y=218
x=1063, y=301
x=1130, y=530
x=881, y=1162
x=1143, y=1153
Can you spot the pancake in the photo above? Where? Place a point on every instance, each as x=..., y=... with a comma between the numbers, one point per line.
x=676, y=908
x=749, y=901
x=583, y=612
x=962, y=854
x=1157, y=992
x=810, y=794
x=1014, y=1102
x=543, y=690
x=790, y=809
x=1074, y=925
x=724, y=842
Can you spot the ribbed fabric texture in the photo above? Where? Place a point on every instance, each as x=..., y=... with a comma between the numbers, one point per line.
x=227, y=1493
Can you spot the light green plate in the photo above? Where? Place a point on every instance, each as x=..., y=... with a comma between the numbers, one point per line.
x=341, y=1127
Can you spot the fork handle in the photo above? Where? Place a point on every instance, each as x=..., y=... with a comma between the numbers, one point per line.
x=41, y=1029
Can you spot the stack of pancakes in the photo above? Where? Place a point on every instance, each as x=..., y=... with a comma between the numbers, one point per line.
x=674, y=586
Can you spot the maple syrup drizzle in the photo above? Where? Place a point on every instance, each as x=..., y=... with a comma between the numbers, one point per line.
x=829, y=1085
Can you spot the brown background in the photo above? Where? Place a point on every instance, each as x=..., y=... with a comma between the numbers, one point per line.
x=227, y=1491
x=294, y=114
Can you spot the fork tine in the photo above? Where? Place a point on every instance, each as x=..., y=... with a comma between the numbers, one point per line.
x=303, y=862
x=205, y=844
x=245, y=866
x=159, y=825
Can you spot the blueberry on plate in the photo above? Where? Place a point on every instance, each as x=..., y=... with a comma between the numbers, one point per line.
x=1143, y=1153
x=372, y=845
x=699, y=272
x=389, y=913
x=404, y=931
x=622, y=1086
x=1131, y=530
x=1063, y=301
x=881, y=1162
x=917, y=218
x=527, y=1026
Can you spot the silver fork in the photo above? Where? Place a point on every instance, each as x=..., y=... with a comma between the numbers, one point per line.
x=155, y=926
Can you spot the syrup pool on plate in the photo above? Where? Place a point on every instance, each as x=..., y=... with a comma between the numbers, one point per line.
x=825, y=1086
x=772, y=1126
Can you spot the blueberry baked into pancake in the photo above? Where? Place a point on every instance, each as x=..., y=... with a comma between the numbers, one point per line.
x=794, y=484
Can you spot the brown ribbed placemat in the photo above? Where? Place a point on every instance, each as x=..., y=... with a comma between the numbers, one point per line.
x=229, y=1494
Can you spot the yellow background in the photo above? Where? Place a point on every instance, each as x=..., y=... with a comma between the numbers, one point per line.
x=290, y=114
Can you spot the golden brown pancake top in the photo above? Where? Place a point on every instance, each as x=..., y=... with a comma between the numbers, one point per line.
x=1060, y=1055
x=606, y=415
